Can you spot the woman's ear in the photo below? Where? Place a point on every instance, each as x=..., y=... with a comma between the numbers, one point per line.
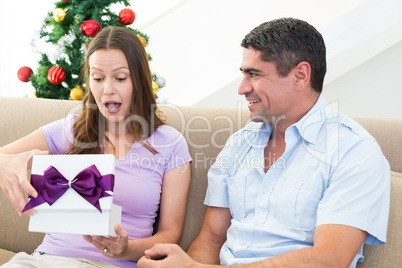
x=302, y=75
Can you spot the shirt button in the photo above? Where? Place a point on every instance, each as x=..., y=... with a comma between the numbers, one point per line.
x=231, y=181
x=256, y=223
x=266, y=191
x=301, y=183
x=242, y=242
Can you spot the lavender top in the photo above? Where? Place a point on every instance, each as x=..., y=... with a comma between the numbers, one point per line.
x=138, y=187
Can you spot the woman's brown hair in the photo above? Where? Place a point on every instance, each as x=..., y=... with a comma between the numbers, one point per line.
x=144, y=119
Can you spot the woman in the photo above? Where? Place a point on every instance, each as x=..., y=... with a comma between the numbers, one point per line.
x=119, y=117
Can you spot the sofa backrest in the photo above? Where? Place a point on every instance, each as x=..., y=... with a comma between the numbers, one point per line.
x=388, y=133
x=19, y=117
x=206, y=131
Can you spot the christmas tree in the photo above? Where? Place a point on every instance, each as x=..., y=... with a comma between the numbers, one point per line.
x=70, y=27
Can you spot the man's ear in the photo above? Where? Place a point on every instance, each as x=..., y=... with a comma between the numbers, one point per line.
x=302, y=75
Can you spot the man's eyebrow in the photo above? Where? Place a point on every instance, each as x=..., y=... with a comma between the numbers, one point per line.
x=250, y=70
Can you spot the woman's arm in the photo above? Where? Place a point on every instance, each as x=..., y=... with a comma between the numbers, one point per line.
x=172, y=211
x=15, y=159
x=171, y=219
x=35, y=140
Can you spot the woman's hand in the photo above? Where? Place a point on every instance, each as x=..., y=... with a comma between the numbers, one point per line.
x=112, y=247
x=14, y=180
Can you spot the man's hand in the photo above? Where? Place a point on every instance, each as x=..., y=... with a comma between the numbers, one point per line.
x=166, y=255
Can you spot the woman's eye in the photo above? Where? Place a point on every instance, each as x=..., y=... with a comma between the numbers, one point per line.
x=121, y=78
x=98, y=79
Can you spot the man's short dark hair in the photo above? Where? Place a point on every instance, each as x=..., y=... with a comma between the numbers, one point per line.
x=287, y=42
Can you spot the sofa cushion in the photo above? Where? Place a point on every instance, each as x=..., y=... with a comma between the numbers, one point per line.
x=5, y=256
x=386, y=131
x=390, y=254
x=16, y=238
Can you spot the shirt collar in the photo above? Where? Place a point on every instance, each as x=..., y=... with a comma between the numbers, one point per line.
x=308, y=127
x=310, y=124
x=261, y=133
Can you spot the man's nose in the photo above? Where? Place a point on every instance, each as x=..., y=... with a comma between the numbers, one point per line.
x=245, y=86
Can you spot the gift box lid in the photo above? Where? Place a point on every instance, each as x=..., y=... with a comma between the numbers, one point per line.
x=69, y=166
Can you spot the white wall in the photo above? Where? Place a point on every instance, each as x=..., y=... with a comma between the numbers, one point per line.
x=364, y=55
x=372, y=89
x=19, y=20
x=195, y=45
x=20, y=23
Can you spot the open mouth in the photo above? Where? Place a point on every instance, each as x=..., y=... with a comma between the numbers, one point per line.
x=113, y=107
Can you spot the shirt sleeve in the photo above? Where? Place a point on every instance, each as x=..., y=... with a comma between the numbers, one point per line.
x=227, y=163
x=359, y=192
x=217, y=192
x=59, y=134
x=179, y=154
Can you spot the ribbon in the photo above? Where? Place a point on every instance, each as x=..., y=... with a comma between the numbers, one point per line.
x=88, y=183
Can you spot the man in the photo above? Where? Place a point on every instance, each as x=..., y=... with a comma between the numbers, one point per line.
x=322, y=189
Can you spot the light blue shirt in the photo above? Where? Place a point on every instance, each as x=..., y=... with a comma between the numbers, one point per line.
x=332, y=172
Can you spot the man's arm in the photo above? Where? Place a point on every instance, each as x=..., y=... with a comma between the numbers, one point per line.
x=334, y=246
x=206, y=247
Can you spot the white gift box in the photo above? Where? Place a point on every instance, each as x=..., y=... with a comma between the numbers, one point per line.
x=71, y=213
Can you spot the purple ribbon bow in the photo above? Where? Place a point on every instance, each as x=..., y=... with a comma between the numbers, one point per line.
x=89, y=183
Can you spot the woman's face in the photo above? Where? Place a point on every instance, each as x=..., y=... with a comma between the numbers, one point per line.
x=110, y=83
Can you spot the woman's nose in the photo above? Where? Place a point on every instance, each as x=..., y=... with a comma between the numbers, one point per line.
x=108, y=87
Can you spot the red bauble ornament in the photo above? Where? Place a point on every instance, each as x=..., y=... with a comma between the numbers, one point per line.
x=56, y=75
x=126, y=16
x=90, y=28
x=66, y=0
x=24, y=73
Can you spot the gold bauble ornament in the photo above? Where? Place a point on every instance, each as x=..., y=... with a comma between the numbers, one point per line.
x=59, y=15
x=143, y=40
x=155, y=87
x=76, y=93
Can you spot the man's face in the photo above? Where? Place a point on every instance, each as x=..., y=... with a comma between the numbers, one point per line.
x=269, y=95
